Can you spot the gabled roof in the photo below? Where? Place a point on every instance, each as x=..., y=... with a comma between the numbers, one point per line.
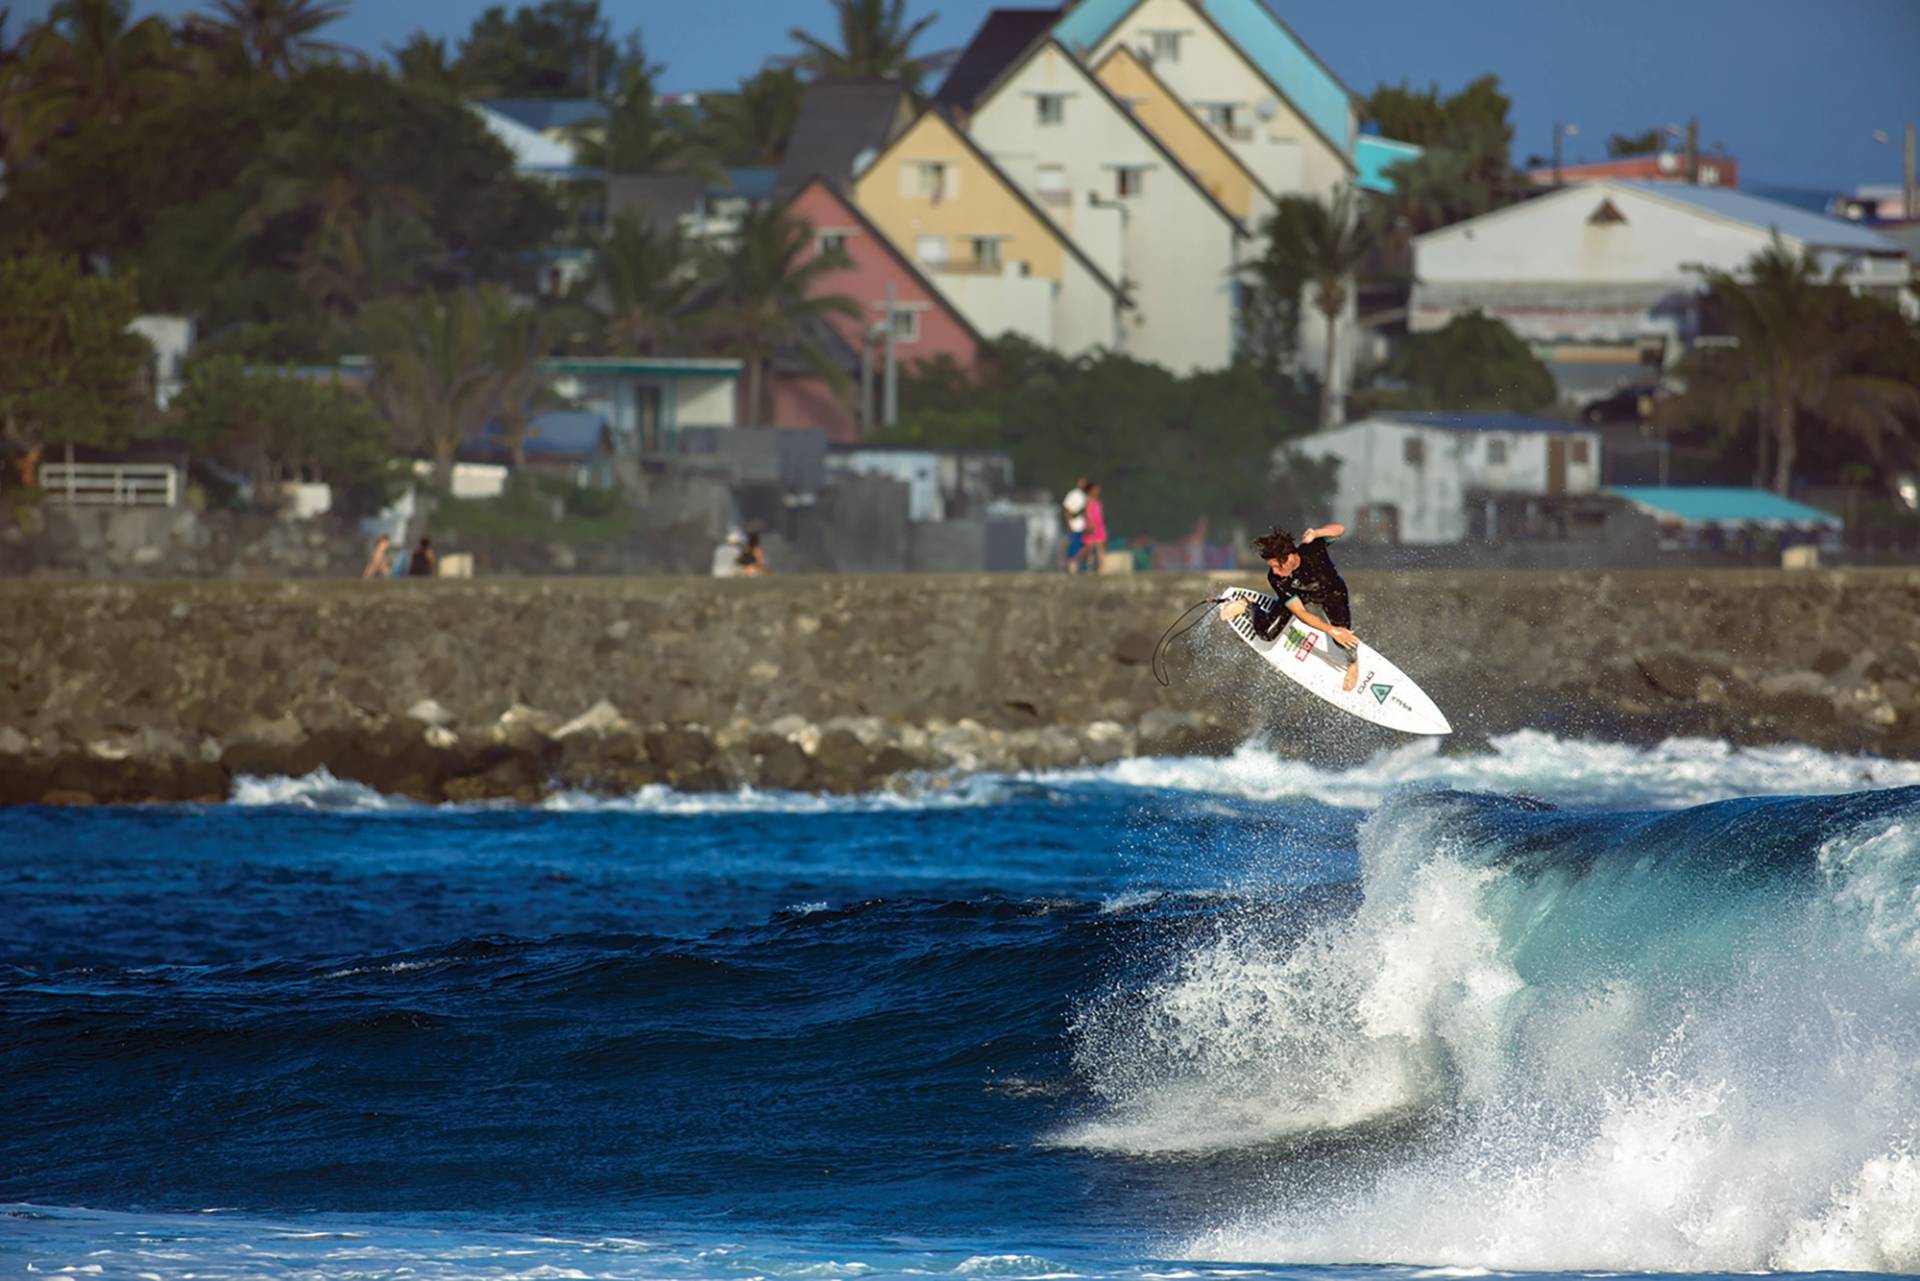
x=1222, y=149
x=1113, y=100
x=1291, y=69
x=1793, y=223
x=1013, y=188
x=838, y=120
x=548, y=113
x=893, y=251
x=1000, y=42
x=1710, y=505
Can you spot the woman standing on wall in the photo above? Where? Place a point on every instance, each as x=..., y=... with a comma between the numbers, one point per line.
x=1096, y=551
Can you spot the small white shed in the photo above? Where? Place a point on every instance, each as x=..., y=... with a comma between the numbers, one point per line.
x=1413, y=477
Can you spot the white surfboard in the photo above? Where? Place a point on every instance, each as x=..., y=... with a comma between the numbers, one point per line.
x=1307, y=656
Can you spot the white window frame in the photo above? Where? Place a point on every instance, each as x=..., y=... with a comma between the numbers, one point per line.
x=932, y=180
x=909, y=312
x=1129, y=181
x=1163, y=45
x=937, y=260
x=985, y=256
x=827, y=239
x=1049, y=109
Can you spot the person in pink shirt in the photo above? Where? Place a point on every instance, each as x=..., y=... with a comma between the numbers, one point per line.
x=1096, y=528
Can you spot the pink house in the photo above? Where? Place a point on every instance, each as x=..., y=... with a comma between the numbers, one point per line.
x=926, y=326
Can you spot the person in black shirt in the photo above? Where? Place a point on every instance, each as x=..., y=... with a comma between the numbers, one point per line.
x=1302, y=576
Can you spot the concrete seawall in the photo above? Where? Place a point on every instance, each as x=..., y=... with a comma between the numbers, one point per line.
x=510, y=687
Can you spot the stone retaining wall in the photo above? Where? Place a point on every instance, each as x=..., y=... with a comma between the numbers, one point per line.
x=512, y=687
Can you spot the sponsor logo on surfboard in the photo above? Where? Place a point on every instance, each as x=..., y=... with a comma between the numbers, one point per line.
x=1380, y=693
x=1299, y=642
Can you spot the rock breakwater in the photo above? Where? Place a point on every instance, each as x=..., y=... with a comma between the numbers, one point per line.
x=513, y=688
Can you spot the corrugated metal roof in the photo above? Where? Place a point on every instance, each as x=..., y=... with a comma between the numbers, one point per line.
x=1709, y=505
x=1374, y=155
x=1796, y=224
x=549, y=113
x=1475, y=420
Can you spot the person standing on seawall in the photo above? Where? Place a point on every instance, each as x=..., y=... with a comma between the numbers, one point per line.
x=380, y=564
x=423, y=562
x=1073, y=511
x=1096, y=550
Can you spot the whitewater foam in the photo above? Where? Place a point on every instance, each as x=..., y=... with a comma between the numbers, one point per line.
x=1522, y=1068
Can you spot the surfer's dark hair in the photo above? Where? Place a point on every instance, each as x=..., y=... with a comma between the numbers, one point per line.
x=1275, y=544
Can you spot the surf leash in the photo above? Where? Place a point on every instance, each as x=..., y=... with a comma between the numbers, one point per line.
x=1160, y=671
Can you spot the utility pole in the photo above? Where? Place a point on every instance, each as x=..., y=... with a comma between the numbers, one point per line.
x=1560, y=134
x=891, y=413
x=1910, y=188
x=1693, y=150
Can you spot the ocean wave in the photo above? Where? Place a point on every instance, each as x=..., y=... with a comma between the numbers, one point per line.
x=1679, y=773
x=1707, y=1023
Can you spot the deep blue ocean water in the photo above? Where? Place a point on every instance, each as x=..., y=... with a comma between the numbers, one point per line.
x=1566, y=1008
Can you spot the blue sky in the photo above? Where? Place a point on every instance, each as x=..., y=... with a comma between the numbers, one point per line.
x=1794, y=88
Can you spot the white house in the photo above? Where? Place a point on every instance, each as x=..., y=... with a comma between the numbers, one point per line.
x=171, y=338
x=1425, y=478
x=1603, y=278
x=1124, y=198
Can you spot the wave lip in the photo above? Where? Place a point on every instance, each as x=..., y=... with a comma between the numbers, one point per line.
x=1547, y=1040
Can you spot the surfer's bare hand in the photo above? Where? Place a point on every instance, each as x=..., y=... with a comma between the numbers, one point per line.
x=1344, y=638
x=1232, y=610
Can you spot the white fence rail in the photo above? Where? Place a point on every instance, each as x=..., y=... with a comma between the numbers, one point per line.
x=111, y=484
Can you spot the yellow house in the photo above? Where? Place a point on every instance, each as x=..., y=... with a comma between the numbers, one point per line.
x=1004, y=264
x=1196, y=146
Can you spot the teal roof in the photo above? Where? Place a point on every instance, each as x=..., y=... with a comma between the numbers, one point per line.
x=1707, y=505
x=1259, y=33
x=1374, y=155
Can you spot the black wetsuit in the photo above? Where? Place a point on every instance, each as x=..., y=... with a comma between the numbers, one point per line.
x=1315, y=584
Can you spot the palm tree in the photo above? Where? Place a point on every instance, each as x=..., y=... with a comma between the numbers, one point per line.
x=276, y=35
x=522, y=338
x=637, y=137
x=434, y=372
x=1321, y=244
x=766, y=300
x=640, y=284
x=876, y=43
x=751, y=127
x=423, y=61
x=1795, y=348
x=86, y=64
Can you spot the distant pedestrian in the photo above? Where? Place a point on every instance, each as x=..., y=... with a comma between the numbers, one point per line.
x=380, y=564
x=726, y=557
x=1096, y=549
x=752, y=562
x=423, y=562
x=1073, y=511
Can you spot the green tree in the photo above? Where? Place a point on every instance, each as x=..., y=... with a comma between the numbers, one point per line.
x=1474, y=362
x=424, y=63
x=1803, y=350
x=1321, y=244
x=1464, y=171
x=875, y=43
x=557, y=49
x=1170, y=451
x=767, y=298
x=1635, y=144
x=638, y=135
x=88, y=63
x=274, y=36
x=522, y=338
x=73, y=374
x=434, y=368
x=274, y=426
x=752, y=127
x=639, y=287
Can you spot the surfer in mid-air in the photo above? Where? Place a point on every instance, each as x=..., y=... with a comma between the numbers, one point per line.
x=1302, y=576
